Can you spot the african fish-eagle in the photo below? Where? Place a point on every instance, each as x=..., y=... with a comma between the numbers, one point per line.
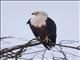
x=43, y=28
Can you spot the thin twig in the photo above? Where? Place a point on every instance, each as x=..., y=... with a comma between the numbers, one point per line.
x=65, y=57
x=43, y=54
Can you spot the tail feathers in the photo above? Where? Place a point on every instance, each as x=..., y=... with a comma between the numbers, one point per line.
x=47, y=47
x=48, y=44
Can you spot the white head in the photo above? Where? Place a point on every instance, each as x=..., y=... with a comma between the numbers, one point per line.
x=38, y=18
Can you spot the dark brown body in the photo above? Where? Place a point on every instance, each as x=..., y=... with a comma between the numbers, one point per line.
x=41, y=31
x=49, y=31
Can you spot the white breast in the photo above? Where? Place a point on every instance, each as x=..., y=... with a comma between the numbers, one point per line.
x=38, y=21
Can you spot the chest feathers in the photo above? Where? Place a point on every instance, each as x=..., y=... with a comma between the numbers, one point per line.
x=38, y=21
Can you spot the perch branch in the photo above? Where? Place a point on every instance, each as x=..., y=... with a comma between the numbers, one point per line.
x=32, y=42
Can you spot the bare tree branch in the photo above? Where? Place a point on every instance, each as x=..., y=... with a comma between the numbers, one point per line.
x=6, y=37
x=9, y=52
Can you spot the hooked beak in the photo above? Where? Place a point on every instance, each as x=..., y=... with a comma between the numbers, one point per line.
x=33, y=13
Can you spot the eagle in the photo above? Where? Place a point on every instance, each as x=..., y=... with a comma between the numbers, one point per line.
x=43, y=28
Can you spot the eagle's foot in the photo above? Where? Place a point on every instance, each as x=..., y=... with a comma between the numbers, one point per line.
x=46, y=41
x=38, y=38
